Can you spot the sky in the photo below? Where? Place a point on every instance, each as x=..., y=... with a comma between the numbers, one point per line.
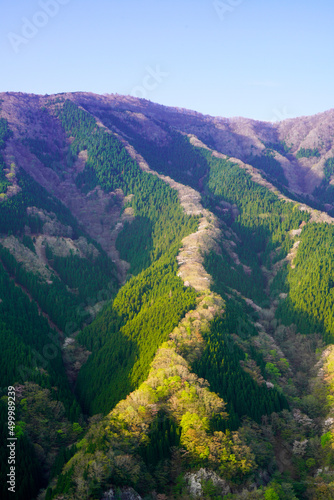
x=262, y=59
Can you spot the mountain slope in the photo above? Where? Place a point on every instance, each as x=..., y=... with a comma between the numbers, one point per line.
x=157, y=244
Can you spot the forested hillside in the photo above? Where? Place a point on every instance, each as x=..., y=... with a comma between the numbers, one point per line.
x=166, y=298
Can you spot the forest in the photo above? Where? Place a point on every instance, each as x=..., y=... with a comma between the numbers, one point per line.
x=164, y=380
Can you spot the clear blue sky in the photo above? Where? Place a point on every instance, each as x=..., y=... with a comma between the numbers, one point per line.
x=262, y=59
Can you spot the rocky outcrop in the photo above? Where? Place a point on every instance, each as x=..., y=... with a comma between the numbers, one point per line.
x=195, y=482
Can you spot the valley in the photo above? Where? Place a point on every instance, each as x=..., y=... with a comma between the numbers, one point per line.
x=167, y=305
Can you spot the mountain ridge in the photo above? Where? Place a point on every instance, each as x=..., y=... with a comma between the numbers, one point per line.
x=226, y=130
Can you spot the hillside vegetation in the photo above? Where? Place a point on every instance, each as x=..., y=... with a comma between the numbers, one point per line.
x=166, y=297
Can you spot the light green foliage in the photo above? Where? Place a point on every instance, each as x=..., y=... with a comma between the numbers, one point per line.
x=276, y=491
x=270, y=494
x=326, y=438
x=19, y=428
x=273, y=371
x=173, y=389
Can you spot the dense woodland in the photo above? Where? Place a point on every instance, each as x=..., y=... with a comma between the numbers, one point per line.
x=310, y=303
x=31, y=349
x=144, y=411
x=30, y=352
x=127, y=334
x=220, y=366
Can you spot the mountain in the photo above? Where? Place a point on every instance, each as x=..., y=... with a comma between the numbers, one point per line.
x=166, y=298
